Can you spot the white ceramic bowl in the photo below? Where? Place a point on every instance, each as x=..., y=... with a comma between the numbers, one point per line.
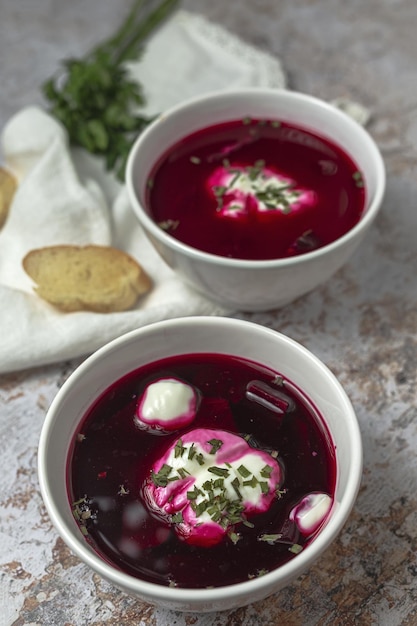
x=243, y=284
x=188, y=335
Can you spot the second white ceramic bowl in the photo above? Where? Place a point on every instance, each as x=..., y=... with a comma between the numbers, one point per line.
x=242, y=284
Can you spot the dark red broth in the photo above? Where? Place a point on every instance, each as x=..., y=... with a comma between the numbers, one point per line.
x=182, y=200
x=111, y=457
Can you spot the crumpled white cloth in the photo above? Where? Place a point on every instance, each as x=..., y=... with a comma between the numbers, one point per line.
x=65, y=197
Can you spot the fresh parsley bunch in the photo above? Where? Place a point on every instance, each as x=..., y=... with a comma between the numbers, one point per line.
x=94, y=98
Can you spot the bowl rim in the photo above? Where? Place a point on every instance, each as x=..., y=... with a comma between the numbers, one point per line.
x=255, y=264
x=157, y=593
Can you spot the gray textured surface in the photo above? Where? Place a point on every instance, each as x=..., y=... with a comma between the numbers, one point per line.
x=362, y=323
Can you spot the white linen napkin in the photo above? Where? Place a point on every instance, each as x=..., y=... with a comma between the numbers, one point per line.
x=65, y=197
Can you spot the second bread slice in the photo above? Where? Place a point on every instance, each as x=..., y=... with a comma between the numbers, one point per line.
x=92, y=278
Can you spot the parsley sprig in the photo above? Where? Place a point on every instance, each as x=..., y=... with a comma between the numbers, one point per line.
x=94, y=98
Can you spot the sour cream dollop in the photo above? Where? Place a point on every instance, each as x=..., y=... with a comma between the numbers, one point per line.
x=167, y=404
x=311, y=512
x=257, y=189
x=210, y=480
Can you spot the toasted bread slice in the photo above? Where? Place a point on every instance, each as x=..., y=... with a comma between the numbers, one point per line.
x=8, y=185
x=91, y=278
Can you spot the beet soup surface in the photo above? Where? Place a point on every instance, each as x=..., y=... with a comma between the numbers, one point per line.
x=255, y=189
x=111, y=459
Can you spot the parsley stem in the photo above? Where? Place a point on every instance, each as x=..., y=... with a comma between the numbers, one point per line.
x=144, y=29
x=125, y=29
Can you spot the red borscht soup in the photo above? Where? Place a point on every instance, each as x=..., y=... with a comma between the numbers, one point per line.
x=201, y=470
x=255, y=189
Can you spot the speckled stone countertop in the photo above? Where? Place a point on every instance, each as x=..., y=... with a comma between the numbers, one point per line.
x=362, y=324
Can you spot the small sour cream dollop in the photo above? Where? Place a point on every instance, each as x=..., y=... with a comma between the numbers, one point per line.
x=311, y=512
x=210, y=480
x=167, y=404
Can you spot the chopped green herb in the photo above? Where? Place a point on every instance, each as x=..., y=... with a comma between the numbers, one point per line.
x=168, y=224
x=234, y=537
x=236, y=176
x=177, y=518
x=234, y=207
x=260, y=572
x=195, y=159
x=200, y=507
x=266, y=471
x=358, y=178
x=179, y=449
x=243, y=471
x=160, y=479
x=218, y=471
x=280, y=493
x=218, y=483
x=248, y=524
x=208, y=485
x=236, y=484
x=191, y=452
x=215, y=513
x=183, y=472
x=219, y=190
x=253, y=171
x=234, y=512
x=216, y=444
x=271, y=539
x=199, y=458
x=307, y=241
x=193, y=494
x=82, y=513
x=264, y=487
x=246, y=121
x=275, y=197
x=295, y=548
x=251, y=483
x=80, y=501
